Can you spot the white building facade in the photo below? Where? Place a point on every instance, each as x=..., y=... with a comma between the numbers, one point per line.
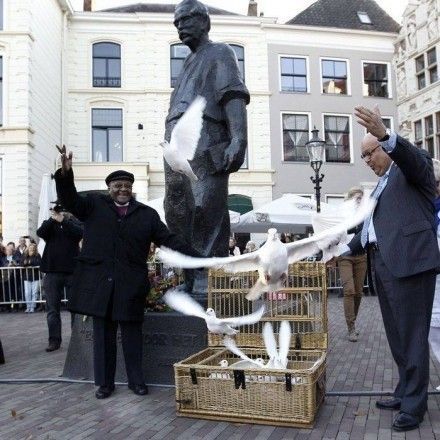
x=417, y=56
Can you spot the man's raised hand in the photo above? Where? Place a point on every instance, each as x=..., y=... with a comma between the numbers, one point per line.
x=371, y=120
x=66, y=159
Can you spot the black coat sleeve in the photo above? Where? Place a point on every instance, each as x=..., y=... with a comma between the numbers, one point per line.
x=45, y=230
x=79, y=206
x=73, y=229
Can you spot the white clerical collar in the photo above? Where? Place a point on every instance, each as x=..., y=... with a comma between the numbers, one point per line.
x=119, y=205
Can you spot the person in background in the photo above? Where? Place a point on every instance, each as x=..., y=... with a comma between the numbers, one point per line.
x=62, y=235
x=233, y=248
x=352, y=270
x=31, y=261
x=11, y=281
x=250, y=247
x=434, y=331
x=19, y=251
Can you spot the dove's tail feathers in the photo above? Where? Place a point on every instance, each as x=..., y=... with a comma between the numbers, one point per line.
x=269, y=340
x=232, y=347
x=284, y=341
x=257, y=290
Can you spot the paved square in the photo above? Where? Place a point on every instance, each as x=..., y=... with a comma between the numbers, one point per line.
x=70, y=411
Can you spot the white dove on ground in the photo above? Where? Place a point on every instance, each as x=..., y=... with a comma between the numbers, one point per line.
x=183, y=303
x=184, y=139
x=273, y=258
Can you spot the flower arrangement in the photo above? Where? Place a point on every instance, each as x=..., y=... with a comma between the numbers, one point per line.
x=160, y=281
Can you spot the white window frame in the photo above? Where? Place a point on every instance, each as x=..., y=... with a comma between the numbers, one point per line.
x=236, y=43
x=106, y=40
x=329, y=58
x=117, y=106
x=288, y=112
x=389, y=77
x=307, y=72
x=350, y=122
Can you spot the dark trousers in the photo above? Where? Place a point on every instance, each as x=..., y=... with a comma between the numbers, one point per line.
x=54, y=285
x=406, y=306
x=104, y=350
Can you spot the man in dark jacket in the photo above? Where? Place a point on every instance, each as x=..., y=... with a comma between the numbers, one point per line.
x=404, y=254
x=111, y=277
x=62, y=235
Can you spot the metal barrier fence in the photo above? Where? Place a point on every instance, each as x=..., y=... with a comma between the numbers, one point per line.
x=14, y=281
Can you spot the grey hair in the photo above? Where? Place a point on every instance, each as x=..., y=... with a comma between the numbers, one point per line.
x=436, y=165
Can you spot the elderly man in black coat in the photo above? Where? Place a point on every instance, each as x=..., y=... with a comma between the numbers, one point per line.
x=111, y=277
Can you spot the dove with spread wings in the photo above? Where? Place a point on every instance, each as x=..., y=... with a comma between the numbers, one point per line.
x=182, y=302
x=184, y=139
x=273, y=258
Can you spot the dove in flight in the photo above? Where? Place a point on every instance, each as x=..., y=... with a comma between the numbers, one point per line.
x=273, y=258
x=184, y=139
x=183, y=303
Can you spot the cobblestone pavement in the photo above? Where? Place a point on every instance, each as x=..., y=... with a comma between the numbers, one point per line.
x=70, y=411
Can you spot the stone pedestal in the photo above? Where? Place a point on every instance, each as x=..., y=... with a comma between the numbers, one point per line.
x=168, y=338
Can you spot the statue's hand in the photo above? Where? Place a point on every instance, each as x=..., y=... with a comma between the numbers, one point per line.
x=233, y=156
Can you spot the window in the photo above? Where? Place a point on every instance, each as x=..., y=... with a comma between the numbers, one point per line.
x=337, y=138
x=376, y=80
x=295, y=136
x=106, y=65
x=429, y=135
x=418, y=134
x=293, y=74
x=364, y=18
x=178, y=54
x=334, y=76
x=420, y=72
x=431, y=56
x=387, y=122
x=239, y=53
x=1, y=14
x=106, y=135
x=426, y=68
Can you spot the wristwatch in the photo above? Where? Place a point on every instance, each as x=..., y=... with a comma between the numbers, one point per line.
x=387, y=135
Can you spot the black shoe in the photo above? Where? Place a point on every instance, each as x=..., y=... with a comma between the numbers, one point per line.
x=393, y=403
x=406, y=422
x=53, y=346
x=104, y=391
x=140, y=390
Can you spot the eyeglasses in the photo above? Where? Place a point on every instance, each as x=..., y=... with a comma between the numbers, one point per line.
x=366, y=156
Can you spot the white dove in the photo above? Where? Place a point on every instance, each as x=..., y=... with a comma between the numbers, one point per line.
x=223, y=364
x=183, y=303
x=184, y=139
x=277, y=358
x=273, y=258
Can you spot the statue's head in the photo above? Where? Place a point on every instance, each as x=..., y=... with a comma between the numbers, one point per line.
x=192, y=21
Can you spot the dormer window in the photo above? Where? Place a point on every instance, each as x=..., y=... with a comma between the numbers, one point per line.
x=364, y=18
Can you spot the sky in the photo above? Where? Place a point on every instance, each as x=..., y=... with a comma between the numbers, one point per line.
x=283, y=9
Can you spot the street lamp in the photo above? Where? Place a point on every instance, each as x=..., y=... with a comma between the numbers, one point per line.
x=315, y=149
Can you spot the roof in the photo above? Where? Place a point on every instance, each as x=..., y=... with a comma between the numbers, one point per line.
x=159, y=9
x=344, y=14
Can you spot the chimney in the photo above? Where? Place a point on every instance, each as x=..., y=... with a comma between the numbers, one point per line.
x=252, y=8
x=87, y=5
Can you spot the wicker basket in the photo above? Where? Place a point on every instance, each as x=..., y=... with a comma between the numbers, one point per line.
x=245, y=393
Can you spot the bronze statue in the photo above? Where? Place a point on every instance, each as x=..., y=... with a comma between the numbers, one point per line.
x=199, y=210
